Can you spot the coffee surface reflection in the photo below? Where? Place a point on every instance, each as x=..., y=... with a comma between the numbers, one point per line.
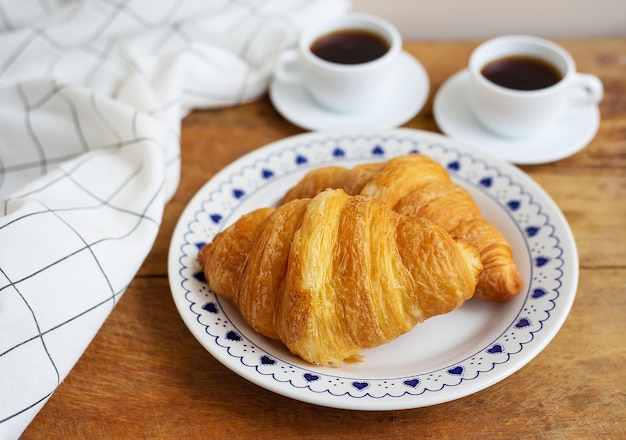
x=522, y=73
x=350, y=46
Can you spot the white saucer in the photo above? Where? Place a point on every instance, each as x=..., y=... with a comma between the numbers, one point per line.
x=571, y=134
x=411, y=87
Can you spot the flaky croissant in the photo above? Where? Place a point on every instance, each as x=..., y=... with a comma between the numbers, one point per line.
x=416, y=185
x=336, y=274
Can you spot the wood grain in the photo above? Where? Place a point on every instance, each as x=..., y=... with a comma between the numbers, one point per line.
x=145, y=376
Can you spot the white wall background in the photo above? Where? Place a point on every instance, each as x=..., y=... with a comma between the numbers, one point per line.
x=480, y=19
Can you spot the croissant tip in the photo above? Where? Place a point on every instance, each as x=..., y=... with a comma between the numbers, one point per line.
x=502, y=293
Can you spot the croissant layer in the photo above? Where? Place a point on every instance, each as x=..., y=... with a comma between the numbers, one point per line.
x=418, y=186
x=336, y=274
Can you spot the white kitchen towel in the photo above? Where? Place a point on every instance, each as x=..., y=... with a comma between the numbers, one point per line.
x=92, y=93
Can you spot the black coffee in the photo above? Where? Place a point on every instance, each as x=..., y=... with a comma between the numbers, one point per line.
x=522, y=73
x=350, y=46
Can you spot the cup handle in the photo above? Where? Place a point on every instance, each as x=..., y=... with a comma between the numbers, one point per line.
x=287, y=70
x=591, y=88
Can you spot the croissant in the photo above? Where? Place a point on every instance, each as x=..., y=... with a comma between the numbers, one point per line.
x=336, y=274
x=416, y=185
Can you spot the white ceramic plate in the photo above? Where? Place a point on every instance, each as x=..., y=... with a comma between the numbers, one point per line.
x=568, y=136
x=445, y=358
x=407, y=97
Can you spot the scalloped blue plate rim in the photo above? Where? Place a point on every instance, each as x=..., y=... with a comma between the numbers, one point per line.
x=548, y=246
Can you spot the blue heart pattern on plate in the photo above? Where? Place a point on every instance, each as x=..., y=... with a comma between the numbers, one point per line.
x=542, y=291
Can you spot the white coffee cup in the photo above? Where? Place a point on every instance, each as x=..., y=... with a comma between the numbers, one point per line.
x=344, y=88
x=515, y=113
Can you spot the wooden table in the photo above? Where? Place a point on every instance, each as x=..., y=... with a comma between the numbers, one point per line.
x=145, y=376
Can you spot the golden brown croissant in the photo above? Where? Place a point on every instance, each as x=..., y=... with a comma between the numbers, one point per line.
x=336, y=274
x=416, y=185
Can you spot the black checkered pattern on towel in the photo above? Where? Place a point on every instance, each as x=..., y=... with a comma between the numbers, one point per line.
x=92, y=93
